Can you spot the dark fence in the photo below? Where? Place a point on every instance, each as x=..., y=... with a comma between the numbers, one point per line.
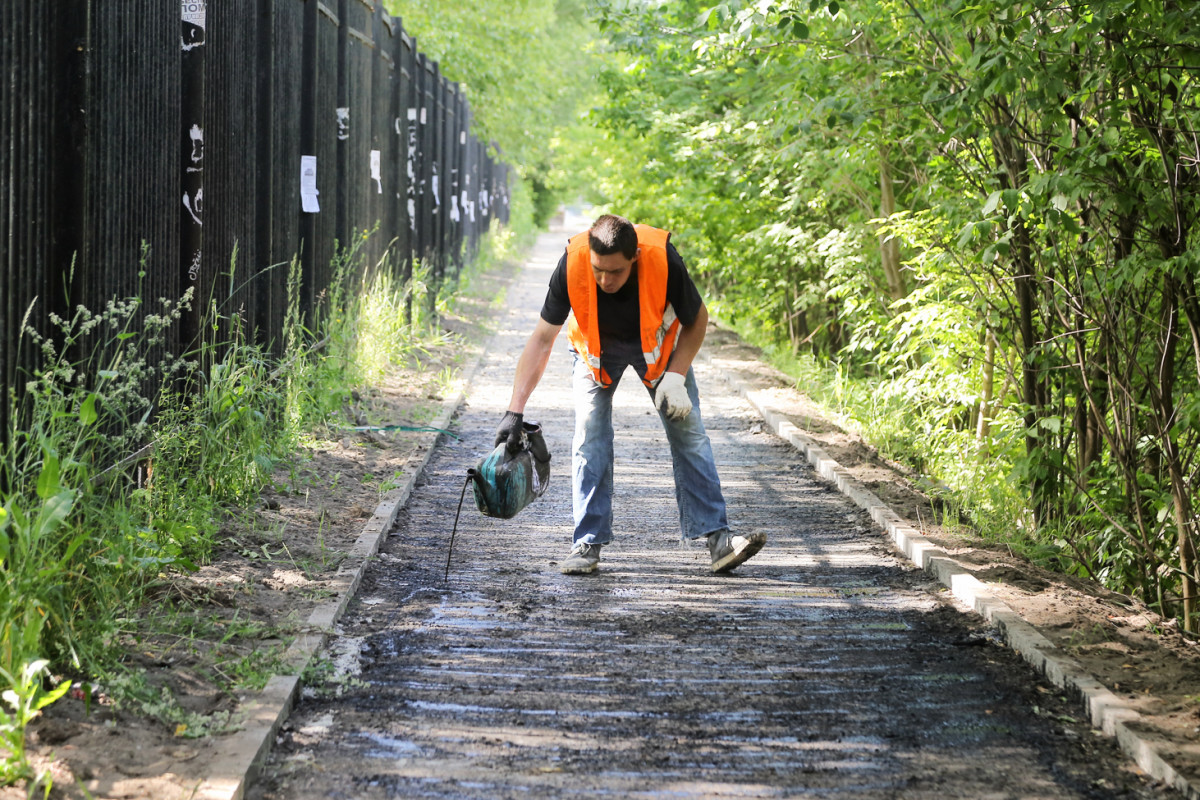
x=142, y=143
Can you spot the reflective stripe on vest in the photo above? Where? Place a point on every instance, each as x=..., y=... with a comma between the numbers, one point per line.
x=659, y=326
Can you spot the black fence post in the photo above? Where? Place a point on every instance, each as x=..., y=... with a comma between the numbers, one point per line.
x=382, y=145
x=193, y=37
x=398, y=102
x=412, y=102
x=441, y=163
x=307, y=172
x=265, y=286
x=342, y=110
x=412, y=68
x=460, y=163
x=422, y=162
x=33, y=95
x=470, y=173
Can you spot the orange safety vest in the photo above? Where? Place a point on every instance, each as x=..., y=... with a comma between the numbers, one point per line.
x=659, y=325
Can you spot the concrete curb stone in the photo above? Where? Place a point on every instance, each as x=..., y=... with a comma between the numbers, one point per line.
x=241, y=755
x=1108, y=712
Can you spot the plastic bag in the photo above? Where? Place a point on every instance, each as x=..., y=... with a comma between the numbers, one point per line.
x=504, y=483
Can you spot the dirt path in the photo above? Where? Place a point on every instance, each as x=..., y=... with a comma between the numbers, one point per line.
x=825, y=665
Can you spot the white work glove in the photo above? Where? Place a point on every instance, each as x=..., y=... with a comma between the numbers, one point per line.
x=671, y=397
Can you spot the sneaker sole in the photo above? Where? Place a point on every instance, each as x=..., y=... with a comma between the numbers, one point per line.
x=753, y=544
x=588, y=570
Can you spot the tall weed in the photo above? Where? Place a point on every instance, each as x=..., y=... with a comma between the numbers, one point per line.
x=67, y=543
x=118, y=467
x=973, y=479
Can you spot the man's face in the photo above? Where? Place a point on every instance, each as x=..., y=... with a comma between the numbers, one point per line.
x=611, y=271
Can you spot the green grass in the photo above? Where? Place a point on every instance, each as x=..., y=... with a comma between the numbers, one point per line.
x=109, y=489
x=971, y=483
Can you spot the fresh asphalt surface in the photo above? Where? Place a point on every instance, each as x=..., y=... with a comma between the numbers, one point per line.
x=825, y=666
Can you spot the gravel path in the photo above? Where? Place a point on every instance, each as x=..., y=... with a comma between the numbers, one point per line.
x=824, y=666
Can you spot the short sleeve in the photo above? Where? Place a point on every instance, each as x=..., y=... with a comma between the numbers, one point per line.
x=557, y=305
x=682, y=293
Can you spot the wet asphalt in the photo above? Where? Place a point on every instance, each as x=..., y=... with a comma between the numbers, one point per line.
x=824, y=667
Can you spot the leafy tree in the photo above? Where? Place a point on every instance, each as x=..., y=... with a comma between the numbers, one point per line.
x=524, y=65
x=985, y=208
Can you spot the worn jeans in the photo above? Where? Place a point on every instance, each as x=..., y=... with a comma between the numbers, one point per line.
x=697, y=487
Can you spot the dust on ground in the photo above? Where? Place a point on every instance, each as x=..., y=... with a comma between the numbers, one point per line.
x=275, y=563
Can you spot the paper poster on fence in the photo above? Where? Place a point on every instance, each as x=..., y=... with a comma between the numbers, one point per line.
x=376, y=172
x=194, y=13
x=308, y=185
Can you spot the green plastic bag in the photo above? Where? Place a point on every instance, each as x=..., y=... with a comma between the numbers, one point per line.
x=504, y=483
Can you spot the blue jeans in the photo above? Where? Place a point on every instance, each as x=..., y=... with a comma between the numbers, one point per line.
x=697, y=487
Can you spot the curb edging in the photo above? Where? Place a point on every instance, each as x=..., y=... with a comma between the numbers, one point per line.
x=1108, y=712
x=242, y=754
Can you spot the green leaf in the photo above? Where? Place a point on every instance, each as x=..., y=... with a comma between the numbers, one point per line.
x=47, y=483
x=992, y=201
x=51, y=696
x=1053, y=424
x=75, y=544
x=87, y=411
x=966, y=234
x=834, y=8
x=799, y=29
x=54, y=512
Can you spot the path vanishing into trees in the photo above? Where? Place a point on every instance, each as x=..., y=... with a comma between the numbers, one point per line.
x=824, y=666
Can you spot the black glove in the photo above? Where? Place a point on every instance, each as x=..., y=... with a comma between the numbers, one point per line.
x=510, y=431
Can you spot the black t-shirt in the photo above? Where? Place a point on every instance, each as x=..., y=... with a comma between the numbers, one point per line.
x=618, y=314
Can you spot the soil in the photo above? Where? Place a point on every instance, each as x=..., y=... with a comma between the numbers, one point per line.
x=276, y=561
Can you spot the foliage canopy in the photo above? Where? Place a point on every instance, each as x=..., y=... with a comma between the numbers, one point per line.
x=985, y=210
x=524, y=65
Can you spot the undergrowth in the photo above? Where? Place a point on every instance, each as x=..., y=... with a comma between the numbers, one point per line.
x=123, y=464
x=971, y=481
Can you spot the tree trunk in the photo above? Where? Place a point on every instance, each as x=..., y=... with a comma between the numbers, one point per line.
x=983, y=426
x=1011, y=157
x=889, y=246
x=1165, y=408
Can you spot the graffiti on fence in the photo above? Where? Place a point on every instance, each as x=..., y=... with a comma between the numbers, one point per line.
x=343, y=124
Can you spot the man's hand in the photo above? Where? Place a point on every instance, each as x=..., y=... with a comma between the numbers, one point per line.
x=671, y=397
x=510, y=431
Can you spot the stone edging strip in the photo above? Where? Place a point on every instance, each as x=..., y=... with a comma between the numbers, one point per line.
x=1108, y=712
x=241, y=754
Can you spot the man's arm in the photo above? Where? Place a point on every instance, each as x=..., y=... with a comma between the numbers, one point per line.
x=687, y=344
x=532, y=363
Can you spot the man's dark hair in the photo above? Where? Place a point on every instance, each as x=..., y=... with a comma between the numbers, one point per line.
x=612, y=234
